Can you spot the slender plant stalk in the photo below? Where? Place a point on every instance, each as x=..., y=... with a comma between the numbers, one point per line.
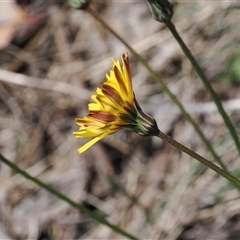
x=63, y=197
x=163, y=86
x=201, y=159
x=205, y=81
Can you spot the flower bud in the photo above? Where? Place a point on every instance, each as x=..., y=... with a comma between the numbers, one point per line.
x=78, y=4
x=161, y=10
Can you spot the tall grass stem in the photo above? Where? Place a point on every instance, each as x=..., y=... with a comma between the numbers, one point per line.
x=63, y=197
x=205, y=81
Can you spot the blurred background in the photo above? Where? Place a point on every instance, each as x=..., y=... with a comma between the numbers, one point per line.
x=52, y=58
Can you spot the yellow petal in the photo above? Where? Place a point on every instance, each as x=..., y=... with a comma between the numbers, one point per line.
x=90, y=143
x=121, y=83
x=95, y=99
x=127, y=75
x=95, y=107
x=89, y=132
x=112, y=81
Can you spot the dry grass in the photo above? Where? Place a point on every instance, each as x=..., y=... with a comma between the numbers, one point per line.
x=141, y=184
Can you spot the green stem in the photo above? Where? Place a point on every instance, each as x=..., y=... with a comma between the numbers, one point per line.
x=205, y=81
x=163, y=86
x=66, y=199
x=201, y=159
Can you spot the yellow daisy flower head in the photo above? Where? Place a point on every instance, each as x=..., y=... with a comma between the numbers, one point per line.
x=114, y=108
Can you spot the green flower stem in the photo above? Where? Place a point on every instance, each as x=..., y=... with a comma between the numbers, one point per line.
x=66, y=199
x=201, y=159
x=163, y=86
x=205, y=81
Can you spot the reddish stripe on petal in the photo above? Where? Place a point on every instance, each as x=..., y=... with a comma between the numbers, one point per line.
x=102, y=116
x=85, y=123
x=119, y=79
x=112, y=94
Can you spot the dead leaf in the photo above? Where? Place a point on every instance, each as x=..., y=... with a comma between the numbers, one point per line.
x=11, y=17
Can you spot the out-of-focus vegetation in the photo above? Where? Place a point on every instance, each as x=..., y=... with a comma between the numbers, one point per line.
x=48, y=72
x=231, y=73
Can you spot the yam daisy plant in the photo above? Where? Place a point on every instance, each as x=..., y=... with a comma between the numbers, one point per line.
x=115, y=107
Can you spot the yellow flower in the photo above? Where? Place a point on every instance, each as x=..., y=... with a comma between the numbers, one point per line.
x=114, y=108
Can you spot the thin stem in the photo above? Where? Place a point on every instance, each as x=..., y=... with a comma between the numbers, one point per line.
x=201, y=159
x=163, y=86
x=205, y=81
x=66, y=199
